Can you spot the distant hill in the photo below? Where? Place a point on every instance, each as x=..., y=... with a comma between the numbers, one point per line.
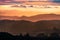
x=33, y=18
x=45, y=17
x=9, y=18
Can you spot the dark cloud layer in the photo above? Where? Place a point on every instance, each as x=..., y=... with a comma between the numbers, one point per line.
x=5, y=0
x=29, y=0
x=57, y=1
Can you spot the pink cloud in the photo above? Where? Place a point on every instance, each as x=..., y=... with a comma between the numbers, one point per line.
x=20, y=0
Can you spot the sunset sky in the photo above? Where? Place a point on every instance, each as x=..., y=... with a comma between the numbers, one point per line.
x=29, y=0
x=6, y=10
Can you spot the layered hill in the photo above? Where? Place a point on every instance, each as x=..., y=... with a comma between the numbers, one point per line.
x=32, y=18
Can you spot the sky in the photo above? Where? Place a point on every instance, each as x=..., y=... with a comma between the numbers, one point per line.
x=29, y=0
x=6, y=10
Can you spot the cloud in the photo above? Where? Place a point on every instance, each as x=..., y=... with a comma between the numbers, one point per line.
x=56, y=1
x=32, y=0
x=2, y=0
x=5, y=0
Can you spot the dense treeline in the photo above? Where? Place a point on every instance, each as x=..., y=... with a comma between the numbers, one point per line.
x=41, y=36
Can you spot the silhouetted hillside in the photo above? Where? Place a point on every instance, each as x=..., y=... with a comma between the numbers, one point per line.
x=45, y=17
x=33, y=18
x=23, y=26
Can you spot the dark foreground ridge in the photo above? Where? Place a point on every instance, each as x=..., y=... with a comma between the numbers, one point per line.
x=41, y=36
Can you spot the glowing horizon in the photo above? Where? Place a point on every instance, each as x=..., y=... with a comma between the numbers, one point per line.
x=28, y=11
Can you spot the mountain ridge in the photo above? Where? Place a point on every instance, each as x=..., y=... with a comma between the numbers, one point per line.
x=33, y=18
